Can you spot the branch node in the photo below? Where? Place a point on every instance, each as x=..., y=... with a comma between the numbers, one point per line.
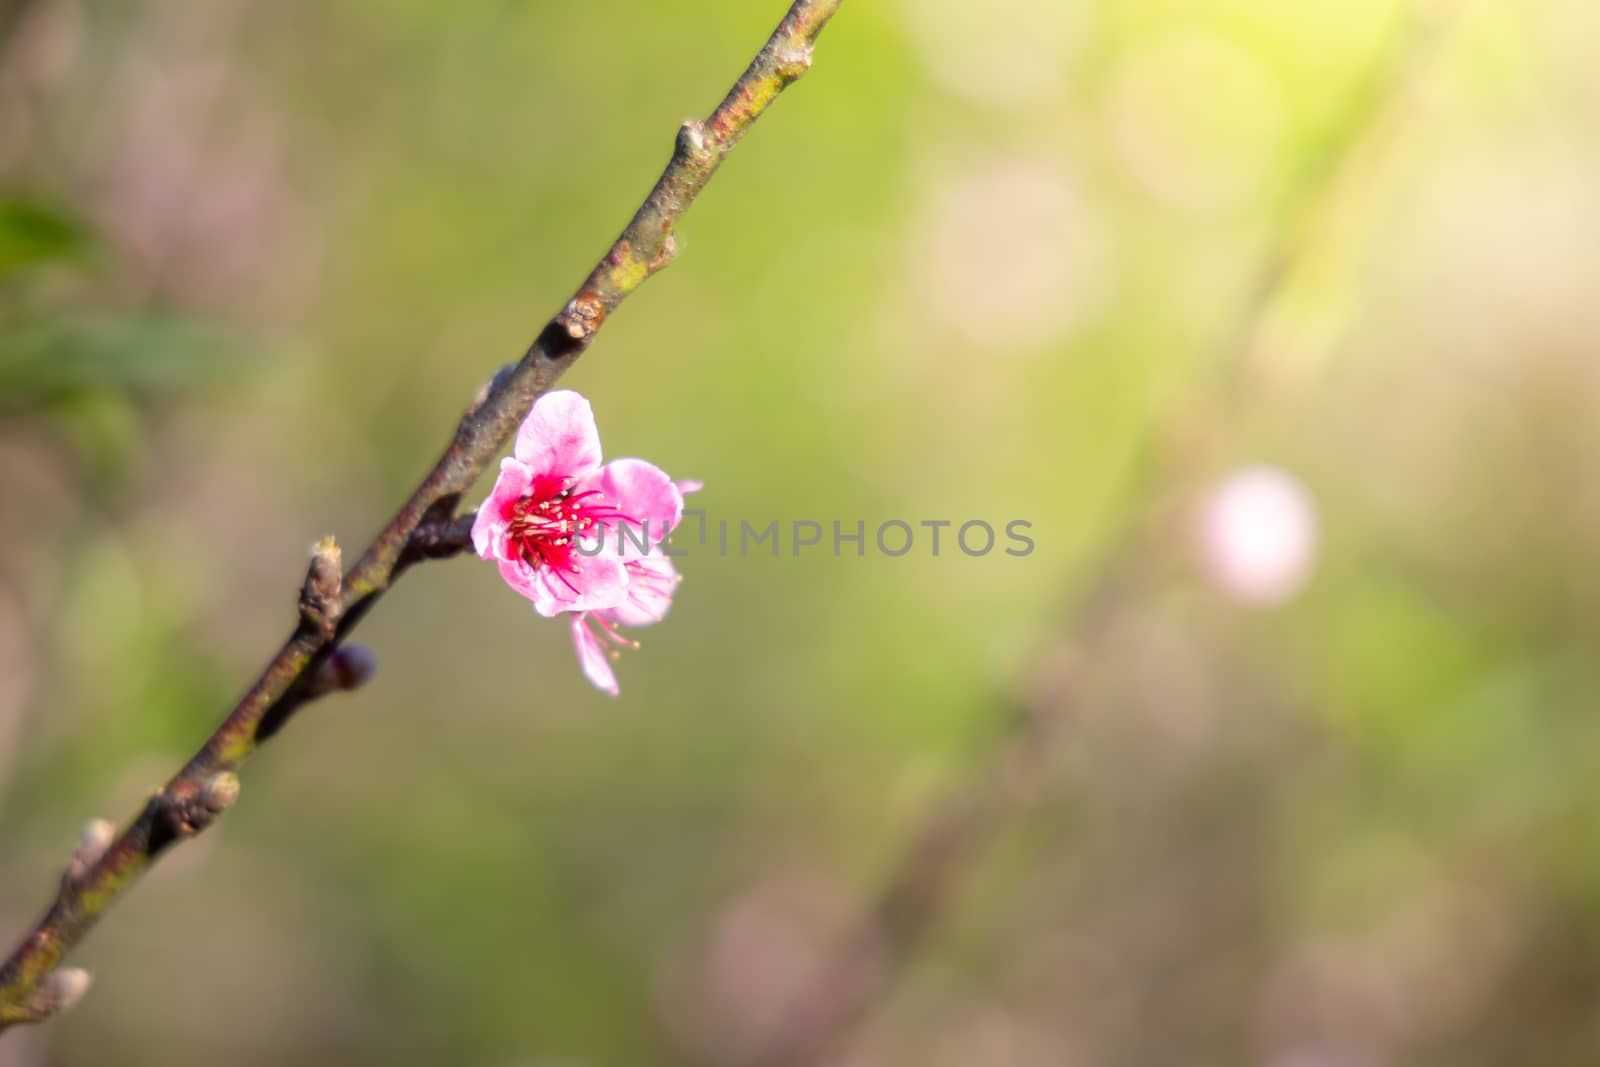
x=321, y=595
x=190, y=808
x=669, y=249
x=219, y=793
x=794, y=63
x=583, y=315
x=692, y=140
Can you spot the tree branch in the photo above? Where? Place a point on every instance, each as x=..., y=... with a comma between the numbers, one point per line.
x=332, y=605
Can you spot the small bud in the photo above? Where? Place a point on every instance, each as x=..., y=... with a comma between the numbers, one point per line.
x=669, y=252
x=582, y=316
x=320, y=601
x=92, y=844
x=793, y=64
x=692, y=137
x=58, y=991
x=485, y=391
x=348, y=667
x=97, y=836
x=1257, y=536
x=220, y=792
x=189, y=807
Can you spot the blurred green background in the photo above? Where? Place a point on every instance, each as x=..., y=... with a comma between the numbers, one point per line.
x=1066, y=263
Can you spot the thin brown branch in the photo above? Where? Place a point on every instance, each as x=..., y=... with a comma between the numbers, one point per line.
x=440, y=539
x=424, y=528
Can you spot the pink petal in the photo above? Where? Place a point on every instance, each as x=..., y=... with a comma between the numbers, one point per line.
x=559, y=436
x=652, y=582
x=489, y=528
x=522, y=578
x=642, y=492
x=599, y=582
x=689, y=485
x=592, y=656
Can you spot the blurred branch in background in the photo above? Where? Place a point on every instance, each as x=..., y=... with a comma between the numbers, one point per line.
x=426, y=527
x=1178, y=462
x=12, y=13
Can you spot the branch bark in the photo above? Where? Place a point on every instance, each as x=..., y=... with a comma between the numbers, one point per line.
x=425, y=527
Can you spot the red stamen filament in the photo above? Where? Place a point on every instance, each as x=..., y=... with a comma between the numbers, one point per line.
x=544, y=526
x=608, y=630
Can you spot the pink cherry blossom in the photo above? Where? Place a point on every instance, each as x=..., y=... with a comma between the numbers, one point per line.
x=1257, y=534
x=579, y=538
x=554, y=520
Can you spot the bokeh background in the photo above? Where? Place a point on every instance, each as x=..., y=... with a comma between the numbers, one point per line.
x=1311, y=782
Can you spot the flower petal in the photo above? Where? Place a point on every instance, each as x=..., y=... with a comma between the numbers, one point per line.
x=644, y=494
x=559, y=436
x=651, y=584
x=521, y=577
x=592, y=656
x=488, y=529
x=592, y=584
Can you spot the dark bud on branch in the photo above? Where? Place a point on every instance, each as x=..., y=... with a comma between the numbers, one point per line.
x=349, y=667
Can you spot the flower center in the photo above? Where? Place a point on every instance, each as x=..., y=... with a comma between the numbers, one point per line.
x=544, y=522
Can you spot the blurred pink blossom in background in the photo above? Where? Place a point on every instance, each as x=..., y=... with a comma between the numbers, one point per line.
x=1258, y=535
